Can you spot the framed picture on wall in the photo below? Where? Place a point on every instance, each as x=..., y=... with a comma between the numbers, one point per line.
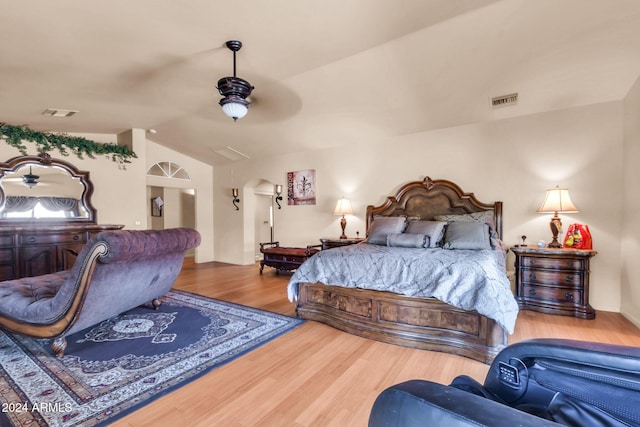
x=301, y=186
x=156, y=206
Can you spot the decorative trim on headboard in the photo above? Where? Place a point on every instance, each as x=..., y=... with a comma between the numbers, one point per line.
x=427, y=198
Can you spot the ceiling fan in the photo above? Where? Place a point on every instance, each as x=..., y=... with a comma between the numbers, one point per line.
x=30, y=180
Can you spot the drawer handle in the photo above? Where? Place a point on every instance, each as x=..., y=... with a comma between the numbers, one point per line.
x=569, y=296
x=76, y=237
x=532, y=276
x=569, y=279
x=532, y=291
x=32, y=239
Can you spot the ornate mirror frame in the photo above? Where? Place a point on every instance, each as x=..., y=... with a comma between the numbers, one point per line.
x=45, y=160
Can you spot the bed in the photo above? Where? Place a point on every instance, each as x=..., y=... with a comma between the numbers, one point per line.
x=474, y=309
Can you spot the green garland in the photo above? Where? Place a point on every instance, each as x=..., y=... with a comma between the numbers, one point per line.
x=16, y=135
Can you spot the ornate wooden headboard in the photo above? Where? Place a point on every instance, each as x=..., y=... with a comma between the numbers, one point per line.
x=427, y=198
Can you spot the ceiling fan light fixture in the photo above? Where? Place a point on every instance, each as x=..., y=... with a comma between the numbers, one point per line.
x=235, y=108
x=30, y=180
x=234, y=89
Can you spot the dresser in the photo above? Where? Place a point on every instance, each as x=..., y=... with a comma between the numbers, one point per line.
x=554, y=281
x=27, y=251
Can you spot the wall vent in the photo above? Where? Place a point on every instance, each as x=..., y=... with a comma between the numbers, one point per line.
x=57, y=112
x=231, y=154
x=504, y=100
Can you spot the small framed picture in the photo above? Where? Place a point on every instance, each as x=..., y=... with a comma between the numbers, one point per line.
x=156, y=206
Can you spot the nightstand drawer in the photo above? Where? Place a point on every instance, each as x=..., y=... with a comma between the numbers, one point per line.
x=552, y=278
x=552, y=294
x=554, y=263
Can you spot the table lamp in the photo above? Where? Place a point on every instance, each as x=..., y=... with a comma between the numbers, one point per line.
x=557, y=200
x=343, y=207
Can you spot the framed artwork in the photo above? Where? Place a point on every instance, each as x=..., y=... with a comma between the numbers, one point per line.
x=156, y=206
x=301, y=187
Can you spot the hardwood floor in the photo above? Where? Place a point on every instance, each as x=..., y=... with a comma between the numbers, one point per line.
x=316, y=375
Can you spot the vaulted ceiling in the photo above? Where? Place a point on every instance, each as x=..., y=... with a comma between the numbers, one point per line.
x=326, y=72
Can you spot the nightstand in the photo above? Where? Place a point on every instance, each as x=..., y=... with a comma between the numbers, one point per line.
x=328, y=243
x=554, y=281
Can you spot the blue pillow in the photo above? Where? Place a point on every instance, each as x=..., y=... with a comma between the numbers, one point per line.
x=382, y=226
x=403, y=240
x=433, y=229
x=467, y=235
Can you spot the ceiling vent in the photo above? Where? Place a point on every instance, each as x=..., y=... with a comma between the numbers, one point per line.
x=231, y=154
x=504, y=100
x=57, y=112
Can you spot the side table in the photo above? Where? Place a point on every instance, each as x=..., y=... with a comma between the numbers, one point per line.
x=328, y=243
x=554, y=281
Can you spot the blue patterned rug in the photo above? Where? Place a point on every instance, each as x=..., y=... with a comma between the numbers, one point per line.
x=124, y=363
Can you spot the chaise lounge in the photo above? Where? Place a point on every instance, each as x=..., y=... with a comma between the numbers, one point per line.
x=115, y=272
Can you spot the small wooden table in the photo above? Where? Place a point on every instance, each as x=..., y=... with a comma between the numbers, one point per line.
x=554, y=281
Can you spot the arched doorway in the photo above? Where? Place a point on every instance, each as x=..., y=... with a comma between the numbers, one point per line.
x=173, y=204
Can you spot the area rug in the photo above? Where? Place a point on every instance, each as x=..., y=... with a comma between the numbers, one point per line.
x=124, y=363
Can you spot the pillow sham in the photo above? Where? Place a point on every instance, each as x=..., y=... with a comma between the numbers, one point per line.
x=383, y=226
x=467, y=235
x=485, y=217
x=403, y=240
x=433, y=229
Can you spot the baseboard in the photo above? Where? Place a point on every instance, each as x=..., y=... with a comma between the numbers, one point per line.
x=632, y=318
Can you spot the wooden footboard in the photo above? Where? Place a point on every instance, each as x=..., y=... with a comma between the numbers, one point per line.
x=423, y=323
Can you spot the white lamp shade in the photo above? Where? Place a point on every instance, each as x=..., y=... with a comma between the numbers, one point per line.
x=343, y=207
x=557, y=200
x=235, y=110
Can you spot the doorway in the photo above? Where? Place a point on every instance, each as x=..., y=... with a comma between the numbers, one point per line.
x=263, y=216
x=177, y=209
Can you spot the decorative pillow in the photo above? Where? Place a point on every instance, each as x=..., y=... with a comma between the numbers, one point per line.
x=467, y=235
x=484, y=217
x=383, y=226
x=403, y=240
x=433, y=229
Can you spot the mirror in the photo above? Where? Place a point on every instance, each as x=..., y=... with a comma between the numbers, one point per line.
x=42, y=189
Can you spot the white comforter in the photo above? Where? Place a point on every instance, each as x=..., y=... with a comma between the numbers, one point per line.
x=467, y=279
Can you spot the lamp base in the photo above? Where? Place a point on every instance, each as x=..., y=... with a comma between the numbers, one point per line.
x=554, y=244
x=343, y=224
x=556, y=228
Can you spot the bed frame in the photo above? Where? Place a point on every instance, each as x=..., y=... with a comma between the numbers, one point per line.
x=423, y=323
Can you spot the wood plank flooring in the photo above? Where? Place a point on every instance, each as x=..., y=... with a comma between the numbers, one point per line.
x=316, y=375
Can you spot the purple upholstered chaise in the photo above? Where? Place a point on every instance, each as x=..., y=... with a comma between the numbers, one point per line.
x=115, y=272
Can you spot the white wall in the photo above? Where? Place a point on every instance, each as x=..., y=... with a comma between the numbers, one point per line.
x=513, y=160
x=630, y=236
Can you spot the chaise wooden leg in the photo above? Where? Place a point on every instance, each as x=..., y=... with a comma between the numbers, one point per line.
x=156, y=303
x=58, y=346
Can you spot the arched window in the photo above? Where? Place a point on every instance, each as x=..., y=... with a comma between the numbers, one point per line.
x=168, y=170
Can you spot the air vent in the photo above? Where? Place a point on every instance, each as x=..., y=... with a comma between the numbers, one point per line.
x=504, y=100
x=57, y=112
x=231, y=154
